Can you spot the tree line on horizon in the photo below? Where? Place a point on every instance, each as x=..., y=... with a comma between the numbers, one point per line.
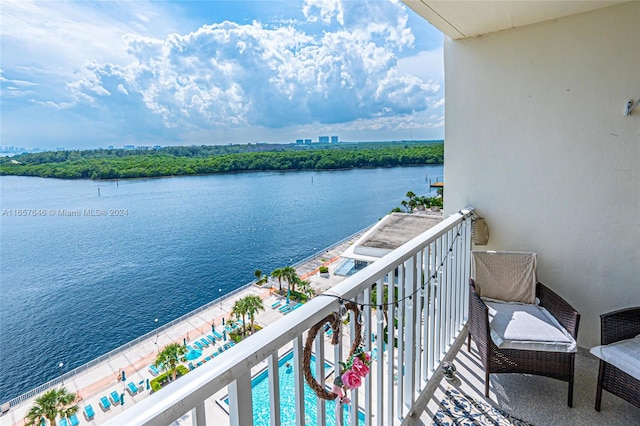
x=180, y=161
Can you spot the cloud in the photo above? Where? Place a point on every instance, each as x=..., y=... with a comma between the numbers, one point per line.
x=229, y=74
x=346, y=66
x=323, y=10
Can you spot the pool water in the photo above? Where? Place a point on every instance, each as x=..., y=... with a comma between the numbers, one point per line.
x=260, y=401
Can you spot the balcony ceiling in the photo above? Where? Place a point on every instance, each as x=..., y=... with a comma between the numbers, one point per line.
x=463, y=19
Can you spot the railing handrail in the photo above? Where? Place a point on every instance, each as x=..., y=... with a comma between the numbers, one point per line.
x=190, y=391
x=151, y=334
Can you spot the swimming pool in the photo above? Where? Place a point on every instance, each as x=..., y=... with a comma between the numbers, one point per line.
x=260, y=400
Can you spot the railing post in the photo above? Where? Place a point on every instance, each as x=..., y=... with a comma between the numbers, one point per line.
x=199, y=416
x=355, y=399
x=320, y=375
x=409, y=364
x=380, y=338
x=240, y=405
x=368, y=403
x=274, y=388
x=391, y=312
x=298, y=380
x=400, y=310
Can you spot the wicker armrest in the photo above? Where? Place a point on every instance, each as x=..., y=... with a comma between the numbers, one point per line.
x=478, y=316
x=561, y=310
x=620, y=325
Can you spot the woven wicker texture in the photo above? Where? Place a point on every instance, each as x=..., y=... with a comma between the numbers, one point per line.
x=557, y=365
x=617, y=326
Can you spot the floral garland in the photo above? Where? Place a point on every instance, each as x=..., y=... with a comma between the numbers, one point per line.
x=351, y=372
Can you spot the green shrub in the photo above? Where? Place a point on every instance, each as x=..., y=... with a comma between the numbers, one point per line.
x=323, y=269
x=164, y=378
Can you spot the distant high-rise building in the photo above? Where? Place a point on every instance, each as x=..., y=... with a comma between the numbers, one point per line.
x=307, y=141
x=323, y=139
x=299, y=141
x=334, y=139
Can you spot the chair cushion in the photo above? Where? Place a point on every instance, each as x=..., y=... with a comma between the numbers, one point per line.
x=624, y=355
x=527, y=327
x=507, y=275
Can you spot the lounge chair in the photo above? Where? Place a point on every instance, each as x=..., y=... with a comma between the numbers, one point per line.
x=218, y=335
x=199, y=363
x=89, y=414
x=105, y=404
x=619, y=355
x=115, y=398
x=191, y=367
x=514, y=333
x=215, y=354
x=132, y=388
x=226, y=346
x=220, y=350
x=232, y=343
x=198, y=345
x=204, y=342
x=275, y=305
x=297, y=306
x=208, y=358
x=73, y=420
x=213, y=339
x=154, y=370
x=63, y=422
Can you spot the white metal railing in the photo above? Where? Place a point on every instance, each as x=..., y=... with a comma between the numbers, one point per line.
x=422, y=315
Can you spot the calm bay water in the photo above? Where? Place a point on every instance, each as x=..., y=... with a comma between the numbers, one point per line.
x=75, y=287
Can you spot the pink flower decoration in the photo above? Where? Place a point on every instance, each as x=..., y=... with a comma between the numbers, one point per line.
x=351, y=379
x=359, y=367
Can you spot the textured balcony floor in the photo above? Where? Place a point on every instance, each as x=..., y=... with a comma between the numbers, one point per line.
x=537, y=400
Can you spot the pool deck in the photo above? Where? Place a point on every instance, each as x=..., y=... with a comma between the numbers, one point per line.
x=100, y=380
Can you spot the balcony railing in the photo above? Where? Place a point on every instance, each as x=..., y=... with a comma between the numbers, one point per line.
x=414, y=322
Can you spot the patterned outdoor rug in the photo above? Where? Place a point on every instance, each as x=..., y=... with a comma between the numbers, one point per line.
x=458, y=408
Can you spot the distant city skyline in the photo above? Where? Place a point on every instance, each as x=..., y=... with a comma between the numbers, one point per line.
x=85, y=75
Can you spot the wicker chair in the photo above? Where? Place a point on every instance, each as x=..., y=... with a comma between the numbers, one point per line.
x=617, y=326
x=557, y=365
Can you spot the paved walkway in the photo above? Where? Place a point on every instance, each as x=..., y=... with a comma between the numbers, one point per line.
x=101, y=380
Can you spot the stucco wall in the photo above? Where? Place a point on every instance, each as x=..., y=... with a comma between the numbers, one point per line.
x=537, y=141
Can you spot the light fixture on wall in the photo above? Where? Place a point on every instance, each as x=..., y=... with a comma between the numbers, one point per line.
x=630, y=105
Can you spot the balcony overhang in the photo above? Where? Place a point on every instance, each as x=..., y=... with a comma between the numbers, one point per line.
x=464, y=19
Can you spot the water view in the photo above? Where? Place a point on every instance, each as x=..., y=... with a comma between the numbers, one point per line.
x=87, y=266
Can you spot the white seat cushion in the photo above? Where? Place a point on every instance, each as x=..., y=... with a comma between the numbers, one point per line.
x=527, y=327
x=624, y=354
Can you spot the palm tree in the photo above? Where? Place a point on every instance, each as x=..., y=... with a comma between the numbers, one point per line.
x=290, y=274
x=279, y=274
x=169, y=358
x=253, y=304
x=258, y=274
x=51, y=404
x=305, y=288
x=240, y=309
